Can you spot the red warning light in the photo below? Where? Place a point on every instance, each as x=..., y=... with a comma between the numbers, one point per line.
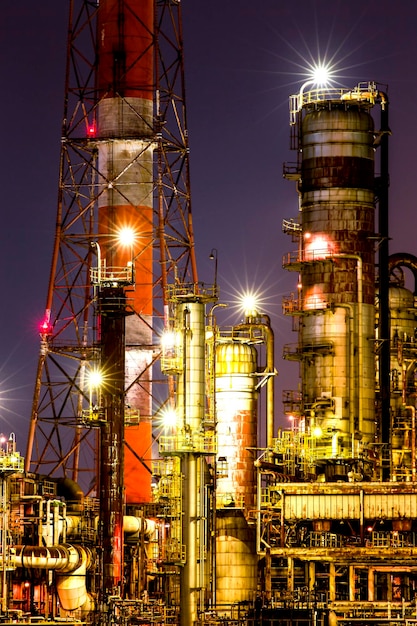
x=45, y=328
x=91, y=129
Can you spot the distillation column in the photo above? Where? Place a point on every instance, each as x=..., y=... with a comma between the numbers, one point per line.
x=192, y=441
x=337, y=270
x=191, y=410
x=125, y=165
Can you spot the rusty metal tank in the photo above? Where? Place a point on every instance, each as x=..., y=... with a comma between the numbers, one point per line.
x=338, y=272
x=236, y=403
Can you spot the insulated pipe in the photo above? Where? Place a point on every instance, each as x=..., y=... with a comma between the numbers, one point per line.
x=402, y=259
x=190, y=584
x=71, y=588
x=63, y=558
x=270, y=369
x=131, y=525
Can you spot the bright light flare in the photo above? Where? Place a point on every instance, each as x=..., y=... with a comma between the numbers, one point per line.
x=126, y=236
x=169, y=418
x=321, y=75
x=317, y=432
x=170, y=341
x=249, y=303
x=95, y=379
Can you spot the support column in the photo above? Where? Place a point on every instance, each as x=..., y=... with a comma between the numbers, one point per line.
x=332, y=582
x=352, y=583
x=371, y=584
x=290, y=575
x=311, y=578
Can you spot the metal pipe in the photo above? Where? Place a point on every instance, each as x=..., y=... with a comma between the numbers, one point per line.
x=359, y=270
x=270, y=390
x=350, y=368
x=258, y=506
x=384, y=316
x=282, y=520
x=413, y=440
x=189, y=585
x=63, y=558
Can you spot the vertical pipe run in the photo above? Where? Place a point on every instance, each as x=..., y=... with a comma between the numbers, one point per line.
x=413, y=440
x=189, y=573
x=112, y=310
x=360, y=332
x=383, y=260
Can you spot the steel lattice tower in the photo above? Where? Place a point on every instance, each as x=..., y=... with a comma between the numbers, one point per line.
x=124, y=163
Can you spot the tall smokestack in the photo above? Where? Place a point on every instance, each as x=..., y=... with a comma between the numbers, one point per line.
x=125, y=163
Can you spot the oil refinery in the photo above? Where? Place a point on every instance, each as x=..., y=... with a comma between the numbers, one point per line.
x=146, y=494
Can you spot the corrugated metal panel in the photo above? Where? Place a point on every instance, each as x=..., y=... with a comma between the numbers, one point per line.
x=391, y=506
x=320, y=506
x=338, y=506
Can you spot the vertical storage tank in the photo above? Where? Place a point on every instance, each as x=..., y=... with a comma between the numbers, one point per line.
x=236, y=404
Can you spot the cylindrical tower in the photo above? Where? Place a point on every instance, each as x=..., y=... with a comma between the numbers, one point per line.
x=125, y=132
x=337, y=269
x=191, y=381
x=192, y=441
x=236, y=411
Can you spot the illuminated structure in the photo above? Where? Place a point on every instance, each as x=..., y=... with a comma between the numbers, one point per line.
x=124, y=172
x=121, y=516
x=342, y=542
x=335, y=259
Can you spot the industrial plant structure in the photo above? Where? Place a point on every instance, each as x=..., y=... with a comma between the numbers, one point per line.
x=145, y=495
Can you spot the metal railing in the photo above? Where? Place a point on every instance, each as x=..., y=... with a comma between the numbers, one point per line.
x=366, y=92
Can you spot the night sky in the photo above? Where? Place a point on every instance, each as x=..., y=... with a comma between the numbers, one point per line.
x=242, y=61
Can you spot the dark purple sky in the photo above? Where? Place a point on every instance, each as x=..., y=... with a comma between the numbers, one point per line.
x=242, y=60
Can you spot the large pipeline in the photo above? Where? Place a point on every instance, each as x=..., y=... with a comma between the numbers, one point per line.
x=70, y=564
